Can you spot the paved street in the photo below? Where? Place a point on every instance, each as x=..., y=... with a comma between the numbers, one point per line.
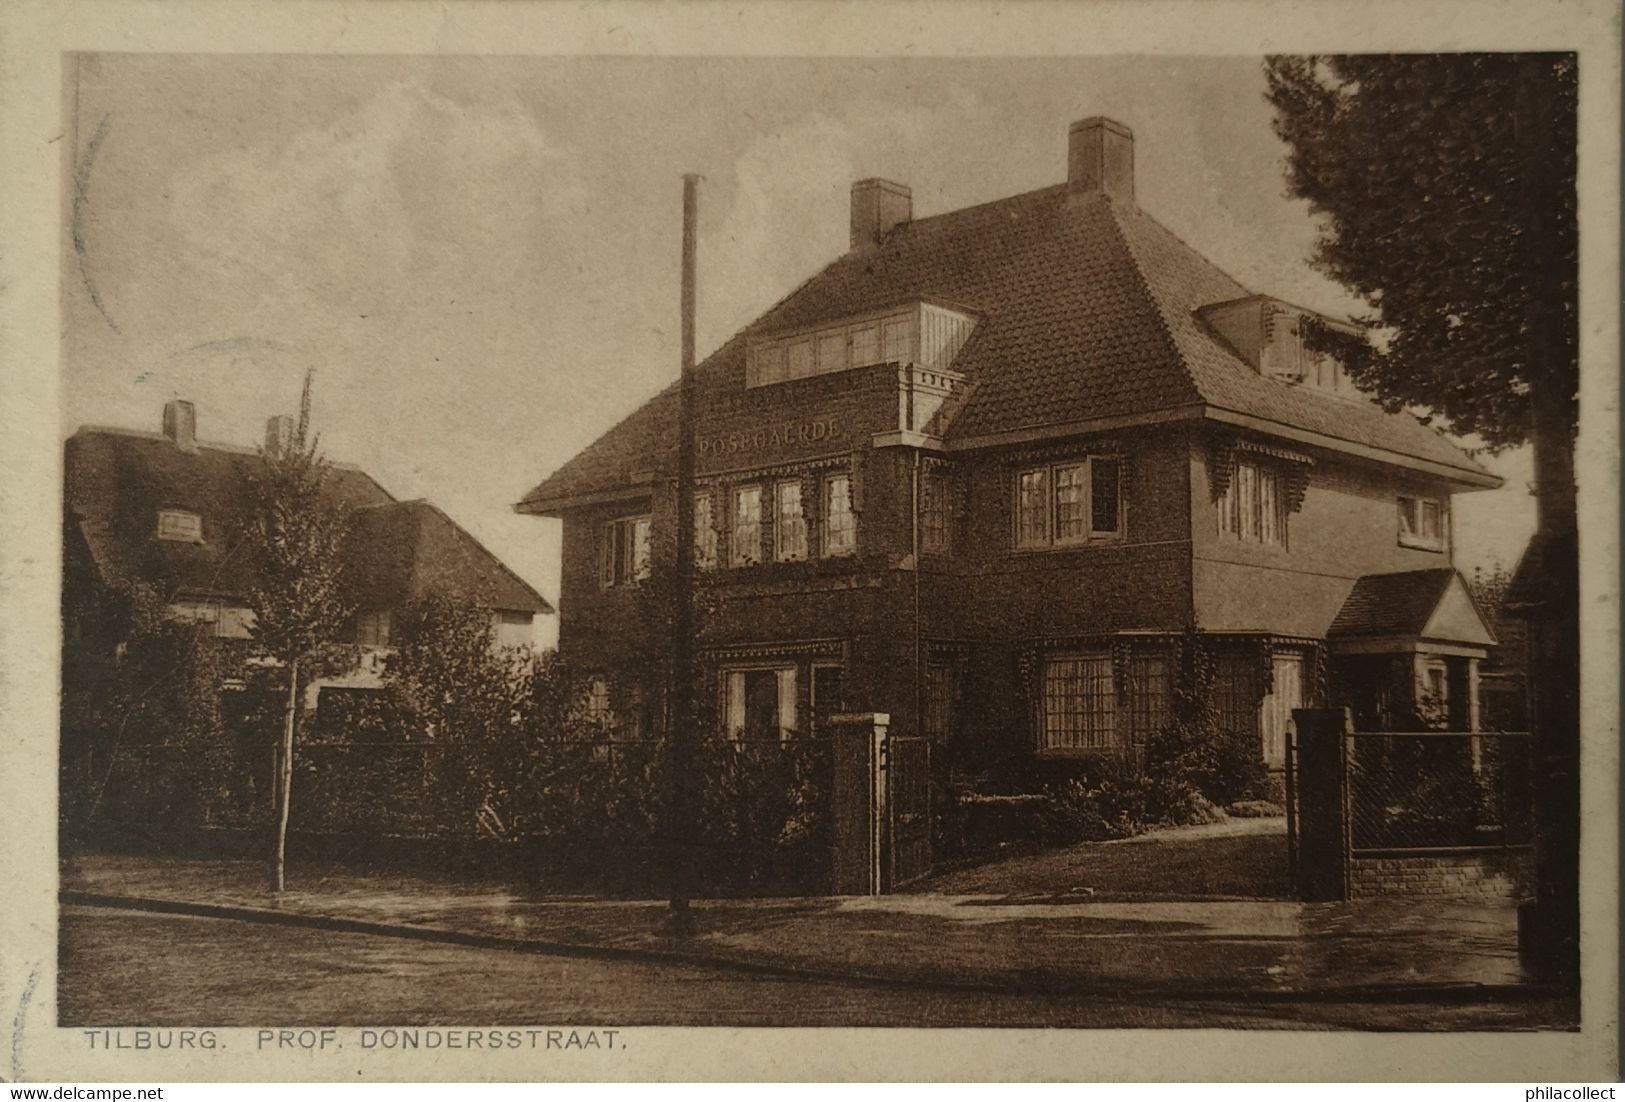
x=123, y=967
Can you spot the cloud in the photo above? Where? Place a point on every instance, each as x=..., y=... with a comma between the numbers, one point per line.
x=349, y=208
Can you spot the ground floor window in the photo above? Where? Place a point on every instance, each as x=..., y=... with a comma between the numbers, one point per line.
x=759, y=702
x=1078, y=709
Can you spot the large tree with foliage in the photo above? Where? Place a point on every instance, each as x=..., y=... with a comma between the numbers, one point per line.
x=1446, y=185
x=298, y=532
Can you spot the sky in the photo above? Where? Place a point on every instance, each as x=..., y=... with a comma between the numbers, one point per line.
x=479, y=256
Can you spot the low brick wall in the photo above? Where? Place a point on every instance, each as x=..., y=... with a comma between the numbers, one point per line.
x=1501, y=875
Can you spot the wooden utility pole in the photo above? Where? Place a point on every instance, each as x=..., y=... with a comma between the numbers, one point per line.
x=681, y=730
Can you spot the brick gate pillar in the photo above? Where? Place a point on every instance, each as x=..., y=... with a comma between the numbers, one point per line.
x=858, y=796
x=1322, y=797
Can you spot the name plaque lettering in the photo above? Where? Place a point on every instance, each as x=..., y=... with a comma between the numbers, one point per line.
x=783, y=435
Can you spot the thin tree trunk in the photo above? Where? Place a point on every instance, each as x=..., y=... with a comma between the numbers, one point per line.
x=284, y=780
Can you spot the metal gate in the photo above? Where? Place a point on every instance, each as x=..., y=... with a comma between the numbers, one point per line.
x=908, y=803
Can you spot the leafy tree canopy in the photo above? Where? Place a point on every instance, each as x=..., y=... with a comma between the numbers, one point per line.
x=1445, y=183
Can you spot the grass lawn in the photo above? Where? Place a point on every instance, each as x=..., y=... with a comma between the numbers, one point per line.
x=1238, y=859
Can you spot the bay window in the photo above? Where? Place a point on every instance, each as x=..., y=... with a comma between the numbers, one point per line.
x=1253, y=506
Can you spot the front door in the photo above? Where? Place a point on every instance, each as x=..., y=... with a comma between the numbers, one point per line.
x=1286, y=693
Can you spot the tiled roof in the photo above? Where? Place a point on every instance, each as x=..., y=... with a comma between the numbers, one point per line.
x=1087, y=310
x=1392, y=604
x=116, y=481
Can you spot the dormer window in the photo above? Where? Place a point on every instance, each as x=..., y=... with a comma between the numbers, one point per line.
x=180, y=526
x=920, y=333
x=1269, y=335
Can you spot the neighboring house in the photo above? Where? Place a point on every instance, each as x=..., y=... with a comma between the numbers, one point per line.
x=166, y=511
x=983, y=470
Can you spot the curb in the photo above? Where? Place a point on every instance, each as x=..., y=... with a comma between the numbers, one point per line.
x=1394, y=993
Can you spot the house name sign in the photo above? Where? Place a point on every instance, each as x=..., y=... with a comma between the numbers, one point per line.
x=767, y=437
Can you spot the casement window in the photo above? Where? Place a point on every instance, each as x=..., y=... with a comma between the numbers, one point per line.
x=1078, y=708
x=1067, y=504
x=1235, y=693
x=180, y=526
x=745, y=538
x=624, y=552
x=840, y=522
x=789, y=523
x=595, y=707
x=1422, y=523
x=759, y=702
x=1150, y=694
x=934, y=513
x=1252, y=508
x=705, y=533
x=205, y=613
x=372, y=628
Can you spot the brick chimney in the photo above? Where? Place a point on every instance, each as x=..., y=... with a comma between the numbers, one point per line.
x=278, y=434
x=878, y=207
x=180, y=424
x=1100, y=157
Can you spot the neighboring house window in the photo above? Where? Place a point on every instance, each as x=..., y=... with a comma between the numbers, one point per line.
x=1422, y=523
x=372, y=628
x=745, y=543
x=625, y=552
x=840, y=522
x=1253, y=506
x=205, y=613
x=789, y=524
x=513, y=629
x=705, y=533
x=1079, y=705
x=934, y=512
x=938, y=702
x=1065, y=504
x=759, y=703
x=180, y=526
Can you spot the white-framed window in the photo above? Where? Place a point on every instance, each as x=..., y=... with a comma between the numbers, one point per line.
x=789, y=522
x=705, y=533
x=759, y=702
x=1078, y=707
x=372, y=628
x=1070, y=503
x=745, y=536
x=935, y=513
x=180, y=526
x=624, y=552
x=840, y=522
x=1253, y=508
x=1422, y=523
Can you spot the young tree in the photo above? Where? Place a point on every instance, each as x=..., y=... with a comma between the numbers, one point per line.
x=1447, y=187
x=299, y=604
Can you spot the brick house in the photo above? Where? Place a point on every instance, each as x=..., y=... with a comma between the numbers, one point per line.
x=167, y=511
x=982, y=472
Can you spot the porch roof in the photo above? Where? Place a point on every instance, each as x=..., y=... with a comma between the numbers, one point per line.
x=1412, y=605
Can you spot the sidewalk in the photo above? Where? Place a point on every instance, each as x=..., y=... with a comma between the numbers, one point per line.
x=986, y=941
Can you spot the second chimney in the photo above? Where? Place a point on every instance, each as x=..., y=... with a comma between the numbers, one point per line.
x=878, y=207
x=278, y=434
x=1100, y=157
x=180, y=424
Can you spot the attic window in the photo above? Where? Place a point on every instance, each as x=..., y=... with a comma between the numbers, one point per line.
x=1422, y=523
x=180, y=526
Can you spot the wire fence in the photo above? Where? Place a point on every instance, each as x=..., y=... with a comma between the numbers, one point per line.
x=1438, y=790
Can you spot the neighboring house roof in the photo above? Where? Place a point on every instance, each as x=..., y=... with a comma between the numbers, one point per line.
x=117, y=480
x=1088, y=311
x=1414, y=604
x=404, y=550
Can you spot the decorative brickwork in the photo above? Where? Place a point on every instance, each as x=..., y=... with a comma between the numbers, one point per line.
x=1490, y=875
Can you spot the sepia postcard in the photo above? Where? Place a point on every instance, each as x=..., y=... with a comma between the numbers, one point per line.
x=903, y=541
